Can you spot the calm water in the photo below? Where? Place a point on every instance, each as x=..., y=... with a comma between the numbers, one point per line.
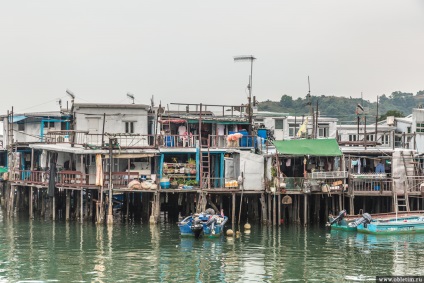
x=71, y=252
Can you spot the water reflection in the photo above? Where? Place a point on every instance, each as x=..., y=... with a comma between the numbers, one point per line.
x=67, y=251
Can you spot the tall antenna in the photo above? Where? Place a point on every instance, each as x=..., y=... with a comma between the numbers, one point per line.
x=250, y=58
x=131, y=96
x=309, y=97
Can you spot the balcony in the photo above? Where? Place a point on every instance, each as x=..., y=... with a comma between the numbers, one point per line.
x=370, y=184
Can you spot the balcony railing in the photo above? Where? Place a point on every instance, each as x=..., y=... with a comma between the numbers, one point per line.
x=370, y=184
x=84, y=138
x=178, y=141
x=415, y=184
x=228, y=141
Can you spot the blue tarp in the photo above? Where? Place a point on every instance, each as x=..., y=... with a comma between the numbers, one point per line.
x=17, y=118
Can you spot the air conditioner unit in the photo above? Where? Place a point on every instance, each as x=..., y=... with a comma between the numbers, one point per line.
x=390, y=120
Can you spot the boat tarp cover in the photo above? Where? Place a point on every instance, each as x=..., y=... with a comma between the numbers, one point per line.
x=314, y=147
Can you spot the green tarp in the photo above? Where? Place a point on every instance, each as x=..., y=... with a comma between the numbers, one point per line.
x=313, y=147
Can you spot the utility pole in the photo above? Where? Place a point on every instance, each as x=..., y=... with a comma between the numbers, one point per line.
x=250, y=58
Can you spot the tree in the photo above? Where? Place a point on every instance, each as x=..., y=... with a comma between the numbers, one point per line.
x=395, y=113
x=286, y=101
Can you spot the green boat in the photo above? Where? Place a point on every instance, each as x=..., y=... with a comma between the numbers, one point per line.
x=341, y=222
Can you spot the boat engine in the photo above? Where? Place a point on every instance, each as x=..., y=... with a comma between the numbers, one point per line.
x=365, y=219
x=340, y=217
x=197, y=227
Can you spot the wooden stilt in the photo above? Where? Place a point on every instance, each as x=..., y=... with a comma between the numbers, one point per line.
x=264, y=210
x=31, y=197
x=305, y=210
x=279, y=209
x=351, y=205
x=68, y=205
x=274, y=210
x=82, y=206
x=233, y=209
x=269, y=209
x=53, y=208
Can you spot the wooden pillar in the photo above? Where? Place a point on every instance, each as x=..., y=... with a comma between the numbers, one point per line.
x=54, y=208
x=274, y=210
x=279, y=209
x=264, y=210
x=128, y=206
x=351, y=206
x=340, y=203
x=305, y=210
x=31, y=210
x=233, y=209
x=82, y=206
x=269, y=208
x=68, y=205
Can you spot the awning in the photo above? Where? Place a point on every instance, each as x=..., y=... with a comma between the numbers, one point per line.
x=175, y=121
x=17, y=118
x=131, y=155
x=219, y=122
x=314, y=147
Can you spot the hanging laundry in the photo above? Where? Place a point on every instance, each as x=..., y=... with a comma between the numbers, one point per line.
x=288, y=162
x=359, y=166
x=336, y=163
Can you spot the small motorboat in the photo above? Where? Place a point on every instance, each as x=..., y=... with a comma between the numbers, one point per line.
x=341, y=222
x=396, y=225
x=205, y=223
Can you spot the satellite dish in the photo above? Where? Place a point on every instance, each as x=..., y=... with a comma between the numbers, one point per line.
x=161, y=110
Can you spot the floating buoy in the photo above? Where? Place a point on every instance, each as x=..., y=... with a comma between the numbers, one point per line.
x=230, y=232
x=247, y=232
x=247, y=226
x=237, y=234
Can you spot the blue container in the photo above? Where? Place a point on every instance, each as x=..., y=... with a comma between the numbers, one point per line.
x=262, y=133
x=169, y=141
x=165, y=184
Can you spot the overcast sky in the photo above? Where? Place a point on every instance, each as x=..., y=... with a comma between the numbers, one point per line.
x=182, y=51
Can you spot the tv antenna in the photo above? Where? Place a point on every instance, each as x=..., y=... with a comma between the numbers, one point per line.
x=131, y=96
x=250, y=58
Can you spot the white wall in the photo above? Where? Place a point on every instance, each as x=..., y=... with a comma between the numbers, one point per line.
x=115, y=119
x=253, y=167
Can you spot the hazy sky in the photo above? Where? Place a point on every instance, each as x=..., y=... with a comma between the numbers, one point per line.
x=182, y=51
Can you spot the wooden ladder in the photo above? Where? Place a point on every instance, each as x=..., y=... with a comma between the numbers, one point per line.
x=205, y=166
x=401, y=202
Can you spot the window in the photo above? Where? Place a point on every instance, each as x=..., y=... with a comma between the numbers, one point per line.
x=293, y=128
x=129, y=127
x=279, y=124
x=48, y=124
x=21, y=127
x=408, y=130
x=352, y=138
x=323, y=130
x=63, y=126
x=385, y=139
x=370, y=137
x=420, y=127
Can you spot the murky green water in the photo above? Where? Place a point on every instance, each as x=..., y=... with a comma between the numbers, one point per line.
x=72, y=252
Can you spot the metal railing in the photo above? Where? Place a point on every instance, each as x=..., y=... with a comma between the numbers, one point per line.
x=178, y=141
x=415, y=183
x=370, y=184
x=229, y=141
x=328, y=175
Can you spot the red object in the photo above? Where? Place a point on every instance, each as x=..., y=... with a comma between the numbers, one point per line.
x=282, y=221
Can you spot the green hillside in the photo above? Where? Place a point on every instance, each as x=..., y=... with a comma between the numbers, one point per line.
x=344, y=108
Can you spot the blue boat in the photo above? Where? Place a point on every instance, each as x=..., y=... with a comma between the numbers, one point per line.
x=397, y=225
x=206, y=224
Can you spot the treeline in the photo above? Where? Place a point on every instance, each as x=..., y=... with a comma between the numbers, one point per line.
x=398, y=103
